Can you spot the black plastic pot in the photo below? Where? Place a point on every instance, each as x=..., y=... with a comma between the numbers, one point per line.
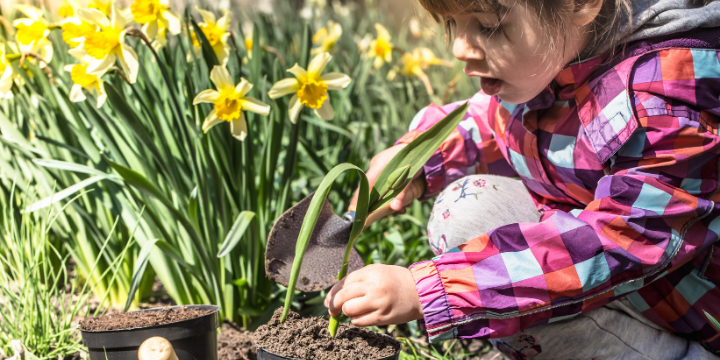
x=192, y=339
x=263, y=354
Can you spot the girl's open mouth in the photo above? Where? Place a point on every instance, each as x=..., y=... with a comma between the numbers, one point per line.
x=490, y=86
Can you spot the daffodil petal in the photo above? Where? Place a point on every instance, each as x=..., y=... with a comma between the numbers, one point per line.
x=129, y=63
x=172, y=22
x=243, y=87
x=118, y=18
x=210, y=121
x=254, y=105
x=220, y=76
x=93, y=16
x=23, y=21
x=208, y=17
x=101, y=94
x=382, y=32
x=238, y=128
x=326, y=111
x=336, y=81
x=297, y=71
x=318, y=63
x=151, y=29
x=294, y=108
x=224, y=22
x=77, y=94
x=69, y=67
x=378, y=62
x=207, y=96
x=30, y=11
x=284, y=87
x=100, y=67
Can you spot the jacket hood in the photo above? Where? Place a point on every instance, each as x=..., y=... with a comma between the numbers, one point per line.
x=652, y=18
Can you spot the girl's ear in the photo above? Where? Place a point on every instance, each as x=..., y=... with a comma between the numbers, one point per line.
x=586, y=11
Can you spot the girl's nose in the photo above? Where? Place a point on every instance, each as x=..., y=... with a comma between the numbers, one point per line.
x=465, y=49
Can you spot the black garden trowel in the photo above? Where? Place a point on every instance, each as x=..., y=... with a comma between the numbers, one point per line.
x=324, y=255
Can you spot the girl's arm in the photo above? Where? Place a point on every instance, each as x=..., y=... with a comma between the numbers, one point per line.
x=650, y=216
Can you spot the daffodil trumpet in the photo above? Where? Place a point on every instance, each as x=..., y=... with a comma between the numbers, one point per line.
x=230, y=101
x=310, y=88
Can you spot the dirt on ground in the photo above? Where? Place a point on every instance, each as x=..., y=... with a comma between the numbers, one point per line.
x=131, y=320
x=235, y=343
x=309, y=339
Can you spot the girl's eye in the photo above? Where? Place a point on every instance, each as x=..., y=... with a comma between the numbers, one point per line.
x=488, y=31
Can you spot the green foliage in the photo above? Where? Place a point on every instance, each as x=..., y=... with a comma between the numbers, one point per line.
x=187, y=196
x=39, y=299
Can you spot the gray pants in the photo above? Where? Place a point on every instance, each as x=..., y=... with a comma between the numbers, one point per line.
x=616, y=331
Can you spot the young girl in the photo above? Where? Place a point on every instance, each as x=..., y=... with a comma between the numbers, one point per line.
x=607, y=110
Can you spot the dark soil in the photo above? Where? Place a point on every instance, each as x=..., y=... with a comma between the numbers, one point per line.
x=309, y=339
x=235, y=343
x=131, y=320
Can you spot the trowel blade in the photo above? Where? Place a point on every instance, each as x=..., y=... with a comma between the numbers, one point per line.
x=324, y=255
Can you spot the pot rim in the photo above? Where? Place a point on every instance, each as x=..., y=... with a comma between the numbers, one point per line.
x=292, y=358
x=215, y=309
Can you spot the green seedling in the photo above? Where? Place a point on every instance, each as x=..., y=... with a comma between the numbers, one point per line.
x=393, y=179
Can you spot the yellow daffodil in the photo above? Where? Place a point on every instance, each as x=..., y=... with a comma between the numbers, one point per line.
x=107, y=45
x=104, y=6
x=216, y=32
x=82, y=80
x=416, y=62
x=249, y=30
x=72, y=27
x=32, y=32
x=67, y=9
x=7, y=74
x=381, y=47
x=230, y=102
x=156, y=17
x=310, y=88
x=326, y=37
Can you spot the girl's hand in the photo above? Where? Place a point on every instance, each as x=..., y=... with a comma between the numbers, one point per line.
x=376, y=295
x=377, y=165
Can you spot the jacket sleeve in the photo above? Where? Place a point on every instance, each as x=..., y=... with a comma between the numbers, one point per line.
x=470, y=149
x=644, y=222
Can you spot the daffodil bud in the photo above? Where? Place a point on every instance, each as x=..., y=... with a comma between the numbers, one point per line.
x=398, y=178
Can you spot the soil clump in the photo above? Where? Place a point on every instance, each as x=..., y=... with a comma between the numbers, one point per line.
x=235, y=343
x=131, y=320
x=309, y=339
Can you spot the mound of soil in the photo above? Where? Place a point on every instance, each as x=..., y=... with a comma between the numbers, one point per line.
x=235, y=343
x=131, y=320
x=309, y=339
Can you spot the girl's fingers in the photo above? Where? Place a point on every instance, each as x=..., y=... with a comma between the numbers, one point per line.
x=367, y=319
x=358, y=306
x=337, y=301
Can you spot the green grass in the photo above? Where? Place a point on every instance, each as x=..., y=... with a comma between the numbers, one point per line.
x=40, y=300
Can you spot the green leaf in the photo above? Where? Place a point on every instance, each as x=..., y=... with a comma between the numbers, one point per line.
x=712, y=320
x=63, y=165
x=241, y=283
x=310, y=220
x=138, y=181
x=416, y=154
x=61, y=195
x=236, y=232
x=140, y=266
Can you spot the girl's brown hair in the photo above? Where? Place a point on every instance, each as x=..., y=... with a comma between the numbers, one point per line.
x=553, y=15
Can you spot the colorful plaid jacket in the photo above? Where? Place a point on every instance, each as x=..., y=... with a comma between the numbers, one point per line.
x=621, y=156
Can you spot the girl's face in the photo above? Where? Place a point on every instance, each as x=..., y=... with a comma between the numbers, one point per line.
x=508, y=51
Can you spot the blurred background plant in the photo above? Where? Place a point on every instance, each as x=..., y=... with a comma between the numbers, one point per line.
x=124, y=139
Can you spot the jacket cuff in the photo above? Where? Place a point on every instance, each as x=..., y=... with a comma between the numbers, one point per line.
x=434, y=301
